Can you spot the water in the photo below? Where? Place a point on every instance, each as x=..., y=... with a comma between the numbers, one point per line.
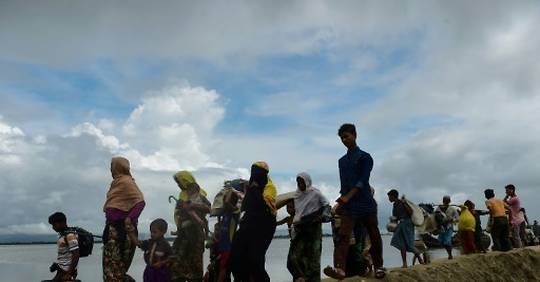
x=31, y=262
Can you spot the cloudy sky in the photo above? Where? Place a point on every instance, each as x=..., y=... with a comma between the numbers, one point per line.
x=445, y=95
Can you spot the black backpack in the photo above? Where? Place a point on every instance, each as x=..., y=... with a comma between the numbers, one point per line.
x=85, y=240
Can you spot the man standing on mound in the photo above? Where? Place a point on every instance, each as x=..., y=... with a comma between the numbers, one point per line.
x=356, y=206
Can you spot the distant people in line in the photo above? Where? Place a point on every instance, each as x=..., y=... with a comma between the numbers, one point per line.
x=356, y=205
x=499, y=222
x=68, y=250
x=190, y=217
x=311, y=210
x=123, y=206
x=446, y=216
x=514, y=206
x=257, y=227
x=156, y=251
x=403, y=237
x=466, y=228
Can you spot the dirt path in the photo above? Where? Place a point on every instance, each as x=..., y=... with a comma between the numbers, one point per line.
x=516, y=265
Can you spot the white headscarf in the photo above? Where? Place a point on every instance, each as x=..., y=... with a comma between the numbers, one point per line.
x=309, y=201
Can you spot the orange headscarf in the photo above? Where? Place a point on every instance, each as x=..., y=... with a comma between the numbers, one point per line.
x=124, y=193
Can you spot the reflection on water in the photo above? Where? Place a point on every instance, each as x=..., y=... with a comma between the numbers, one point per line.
x=31, y=262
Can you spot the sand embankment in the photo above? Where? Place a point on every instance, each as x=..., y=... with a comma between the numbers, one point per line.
x=517, y=265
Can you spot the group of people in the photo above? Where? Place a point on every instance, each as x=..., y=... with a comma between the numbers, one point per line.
x=507, y=225
x=246, y=222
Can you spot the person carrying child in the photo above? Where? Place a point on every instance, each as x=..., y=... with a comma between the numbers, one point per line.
x=156, y=251
x=68, y=250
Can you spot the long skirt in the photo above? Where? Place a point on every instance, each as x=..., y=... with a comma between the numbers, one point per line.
x=249, y=248
x=403, y=237
x=117, y=258
x=188, y=248
x=304, y=259
x=466, y=238
x=445, y=237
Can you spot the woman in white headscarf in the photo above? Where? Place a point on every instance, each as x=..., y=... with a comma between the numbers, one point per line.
x=311, y=210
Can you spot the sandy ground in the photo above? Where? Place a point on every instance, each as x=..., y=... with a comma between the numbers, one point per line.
x=517, y=265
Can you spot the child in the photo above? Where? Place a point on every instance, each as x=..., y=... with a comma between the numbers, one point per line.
x=288, y=219
x=156, y=251
x=68, y=250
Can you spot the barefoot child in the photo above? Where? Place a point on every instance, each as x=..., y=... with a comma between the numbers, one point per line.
x=156, y=251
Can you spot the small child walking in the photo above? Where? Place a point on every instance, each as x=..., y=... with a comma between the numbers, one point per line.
x=156, y=251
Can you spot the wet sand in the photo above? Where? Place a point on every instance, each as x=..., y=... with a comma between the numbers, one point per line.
x=516, y=265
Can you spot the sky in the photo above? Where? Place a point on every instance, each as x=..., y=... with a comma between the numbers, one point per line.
x=445, y=96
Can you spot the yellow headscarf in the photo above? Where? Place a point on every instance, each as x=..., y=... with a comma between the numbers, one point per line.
x=270, y=191
x=184, y=178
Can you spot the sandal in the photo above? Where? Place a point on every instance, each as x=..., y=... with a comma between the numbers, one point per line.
x=380, y=273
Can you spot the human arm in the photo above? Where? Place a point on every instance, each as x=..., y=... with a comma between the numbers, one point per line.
x=131, y=232
x=282, y=221
x=73, y=246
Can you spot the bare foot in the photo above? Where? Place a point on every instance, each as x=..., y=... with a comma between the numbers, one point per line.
x=335, y=273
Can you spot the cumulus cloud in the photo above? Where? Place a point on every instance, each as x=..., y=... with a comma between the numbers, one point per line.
x=163, y=134
x=445, y=96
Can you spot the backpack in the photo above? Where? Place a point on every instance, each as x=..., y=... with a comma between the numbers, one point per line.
x=85, y=240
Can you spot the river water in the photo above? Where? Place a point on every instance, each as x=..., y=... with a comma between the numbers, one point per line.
x=31, y=262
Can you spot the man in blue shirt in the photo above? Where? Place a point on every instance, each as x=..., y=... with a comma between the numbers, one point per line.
x=356, y=206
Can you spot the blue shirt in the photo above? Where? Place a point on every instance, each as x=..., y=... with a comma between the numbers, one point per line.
x=354, y=171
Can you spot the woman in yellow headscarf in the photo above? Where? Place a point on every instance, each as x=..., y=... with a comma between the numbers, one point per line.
x=190, y=216
x=257, y=227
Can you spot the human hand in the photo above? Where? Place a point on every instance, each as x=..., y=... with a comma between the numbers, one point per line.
x=343, y=200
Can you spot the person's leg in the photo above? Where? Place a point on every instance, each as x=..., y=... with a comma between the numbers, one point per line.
x=403, y=252
x=523, y=234
x=257, y=249
x=506, y=245
x=372, y=227
x=294, y=257
x=341, y=247
x=341, y=250
x=238, y=264
x=312, y=251
x=496, y=235
x=516, y=239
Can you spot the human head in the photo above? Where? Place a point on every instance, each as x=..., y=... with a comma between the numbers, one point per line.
x=347, y=133
x=238, y=184
x=259, y=174
x=393, y=195
x=470, y=205
x=303, y=181
x=120, y=166
x=510, y=190
x=158, y=228
x=489, y=193
x=535, y=222
x=446, y=200
x=58, y=221
x=290, y=208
